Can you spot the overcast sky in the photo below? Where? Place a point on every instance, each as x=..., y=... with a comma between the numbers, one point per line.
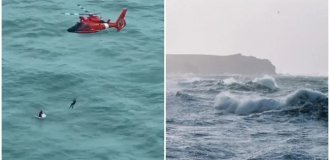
x=290, y=33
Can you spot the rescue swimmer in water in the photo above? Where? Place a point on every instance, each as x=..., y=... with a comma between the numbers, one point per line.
x=73, y=103
x=93, y=23
x=41, y=115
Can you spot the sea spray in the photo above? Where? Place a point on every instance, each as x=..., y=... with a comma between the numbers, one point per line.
x=244, y=105
x=266, y=81
x=247, y=104
x=230, y=80
x=304, y=96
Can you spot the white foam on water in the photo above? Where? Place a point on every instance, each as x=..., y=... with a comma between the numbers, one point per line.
x=244, y=105
x=229, y=81
x=266, y=81
x=303, y=96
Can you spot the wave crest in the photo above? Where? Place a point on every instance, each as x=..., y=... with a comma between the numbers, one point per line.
x=305, y=96
x=266, y=81
x=302, y=101
x=244, y=105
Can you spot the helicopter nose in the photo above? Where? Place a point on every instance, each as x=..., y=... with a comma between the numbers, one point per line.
x=74, y=28
x=70, y=30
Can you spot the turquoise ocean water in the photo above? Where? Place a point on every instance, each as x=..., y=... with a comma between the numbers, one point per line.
x=117, y=79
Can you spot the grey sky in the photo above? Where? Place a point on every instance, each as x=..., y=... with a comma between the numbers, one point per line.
x=290, y=33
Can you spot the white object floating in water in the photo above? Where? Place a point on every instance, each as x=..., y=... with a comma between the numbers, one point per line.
x=43, y=116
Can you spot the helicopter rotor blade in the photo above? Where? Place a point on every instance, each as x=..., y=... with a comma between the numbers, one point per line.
x=72, y=14
x=80, y=14
x=82, y=8
x=85, y=12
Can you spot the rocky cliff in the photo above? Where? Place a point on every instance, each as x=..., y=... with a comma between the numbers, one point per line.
x=212, y=64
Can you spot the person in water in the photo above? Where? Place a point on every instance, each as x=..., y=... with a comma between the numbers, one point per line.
x=73, y=103
x=40, y=113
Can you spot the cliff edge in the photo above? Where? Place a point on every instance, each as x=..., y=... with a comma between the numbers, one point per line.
x=213, y=64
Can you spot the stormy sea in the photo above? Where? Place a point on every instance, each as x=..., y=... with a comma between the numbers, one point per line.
x=117, y=78
x=237, y=117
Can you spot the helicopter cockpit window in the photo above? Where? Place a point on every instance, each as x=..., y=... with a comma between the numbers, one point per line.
x=79, y=27
x=84, y=27
x=75, y=27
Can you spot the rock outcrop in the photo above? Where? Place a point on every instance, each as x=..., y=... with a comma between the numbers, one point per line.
x=213, y=64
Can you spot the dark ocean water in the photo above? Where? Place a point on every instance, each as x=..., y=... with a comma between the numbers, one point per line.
x=116, y=77
x=235, y=117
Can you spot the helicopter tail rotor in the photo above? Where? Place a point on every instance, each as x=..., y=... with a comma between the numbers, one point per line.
x=121, y=22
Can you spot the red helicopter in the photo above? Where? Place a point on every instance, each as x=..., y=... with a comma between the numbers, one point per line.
x=94, y=23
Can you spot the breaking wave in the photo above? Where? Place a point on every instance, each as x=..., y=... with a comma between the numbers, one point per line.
x=229, y=81
x=266, y=81
x=244, y=105
x=305, y=96
x=307, y=101
x=265, y=84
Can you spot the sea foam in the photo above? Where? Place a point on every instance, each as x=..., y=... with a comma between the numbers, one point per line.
x=304, y=96
x=266, y=81
x=244, y=105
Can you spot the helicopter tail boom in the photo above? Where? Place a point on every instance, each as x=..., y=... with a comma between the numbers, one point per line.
x=121, y=22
